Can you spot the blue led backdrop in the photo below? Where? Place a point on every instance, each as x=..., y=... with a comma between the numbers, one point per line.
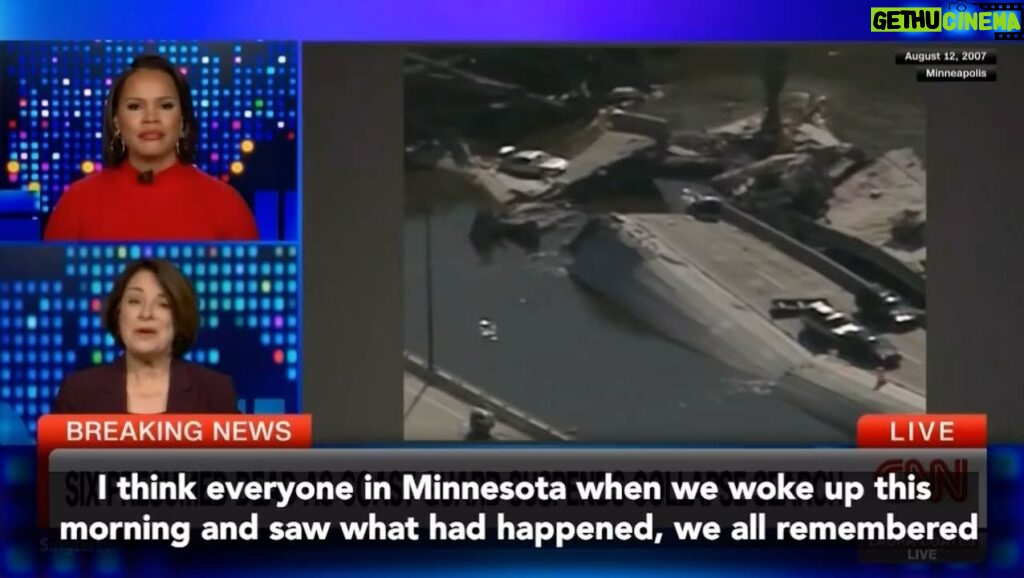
x=51, y=298
x=51, y=109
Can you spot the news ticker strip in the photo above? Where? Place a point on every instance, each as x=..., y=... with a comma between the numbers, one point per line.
x=785, y=489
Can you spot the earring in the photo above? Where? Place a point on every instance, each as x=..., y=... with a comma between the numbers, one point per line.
x=118, y=140
x=177, y=147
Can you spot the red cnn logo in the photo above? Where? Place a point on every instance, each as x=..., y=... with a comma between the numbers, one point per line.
x=945, y=480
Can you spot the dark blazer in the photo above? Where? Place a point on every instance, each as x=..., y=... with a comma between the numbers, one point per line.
x=104, y=389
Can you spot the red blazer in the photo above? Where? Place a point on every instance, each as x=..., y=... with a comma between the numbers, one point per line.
x=104, y=389
x=181, y=203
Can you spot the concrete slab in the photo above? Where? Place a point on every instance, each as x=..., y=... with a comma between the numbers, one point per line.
x=756, y=272
x=505, y=188
x=864, y=204
x=606, y=151
x=611, y=148
x=686, y=279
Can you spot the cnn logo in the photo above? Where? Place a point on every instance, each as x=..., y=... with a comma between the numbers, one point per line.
x=946, y=479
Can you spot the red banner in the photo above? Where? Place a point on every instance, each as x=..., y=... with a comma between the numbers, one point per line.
x=165, y=431
x=922, y=431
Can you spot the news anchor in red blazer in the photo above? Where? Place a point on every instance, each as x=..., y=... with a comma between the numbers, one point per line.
x=151, y=313
x=148, y=188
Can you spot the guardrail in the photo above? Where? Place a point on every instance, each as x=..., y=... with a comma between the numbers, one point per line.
x=808, y=256
x=878, y=256
x=468, y=393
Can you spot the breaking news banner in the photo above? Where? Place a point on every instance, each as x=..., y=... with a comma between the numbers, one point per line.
x=161, y=432
x=914, y=489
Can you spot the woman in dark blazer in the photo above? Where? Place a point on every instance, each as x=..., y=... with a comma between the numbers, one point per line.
x=152, y=315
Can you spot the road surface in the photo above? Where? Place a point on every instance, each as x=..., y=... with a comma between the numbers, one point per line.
x=757, y=272
x=665, y=279
x=432, y=415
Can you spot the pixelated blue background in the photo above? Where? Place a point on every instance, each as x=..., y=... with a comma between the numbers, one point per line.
x=50, y=302
x=52, y=97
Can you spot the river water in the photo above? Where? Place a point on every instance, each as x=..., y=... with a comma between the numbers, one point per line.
x=579, y=363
